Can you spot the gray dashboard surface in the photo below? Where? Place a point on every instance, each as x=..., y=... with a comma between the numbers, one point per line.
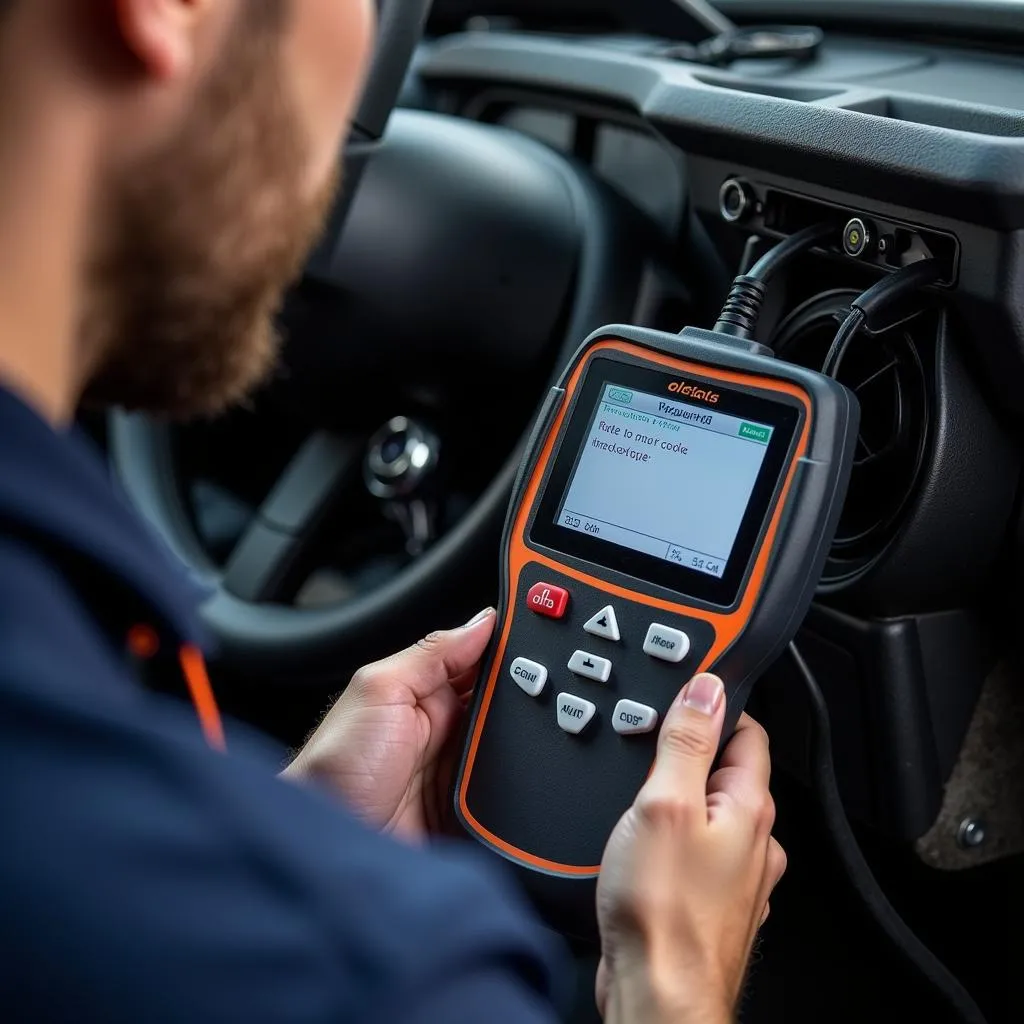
x=967, y=76
x=985, y=16
x=922, y=125
x=961, y=75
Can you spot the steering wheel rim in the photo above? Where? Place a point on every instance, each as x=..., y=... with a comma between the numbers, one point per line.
x=400, y=25
x=276, y=641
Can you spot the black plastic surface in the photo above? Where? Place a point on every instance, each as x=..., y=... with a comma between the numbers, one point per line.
x=459, y=251
x=887, y=244
x=399, y=29
x=805, y=532
x=900, y=692
x=907, y=133
x=692, y=20
x=277, y=542
x=954, y=531
x=826, y=137
x=983, y=17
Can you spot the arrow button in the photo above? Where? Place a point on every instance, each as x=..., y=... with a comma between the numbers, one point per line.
x=603, y=624
x=590, y=666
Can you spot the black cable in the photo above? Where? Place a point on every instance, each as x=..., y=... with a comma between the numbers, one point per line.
x=743, y=306
x=846, y=333
x=777, y=257
x=881, y=297
x=931, y=969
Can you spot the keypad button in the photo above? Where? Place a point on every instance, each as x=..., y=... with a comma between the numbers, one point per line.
x=530, y=675
x=603, y=624
x=574, y=713
x=590, y=666
x=547, y=599
x=666, y=643
x=630, y=718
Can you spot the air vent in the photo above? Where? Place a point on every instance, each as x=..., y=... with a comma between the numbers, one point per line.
x=886, y=374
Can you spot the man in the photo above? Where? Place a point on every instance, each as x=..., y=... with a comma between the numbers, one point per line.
x=164, y=165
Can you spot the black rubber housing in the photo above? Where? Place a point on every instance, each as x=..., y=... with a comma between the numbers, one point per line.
x=558, y=796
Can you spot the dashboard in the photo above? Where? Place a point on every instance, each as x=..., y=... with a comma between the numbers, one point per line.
x=916, y=132
x=920, y=141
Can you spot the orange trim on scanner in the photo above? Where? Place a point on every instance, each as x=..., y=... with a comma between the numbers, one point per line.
x=727, y=626
x=194, y=668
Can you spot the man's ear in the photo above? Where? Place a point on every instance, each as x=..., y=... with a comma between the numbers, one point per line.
x=161, y=34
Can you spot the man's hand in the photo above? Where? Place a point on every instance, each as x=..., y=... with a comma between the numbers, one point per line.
x=688, y=871
x=384, y=745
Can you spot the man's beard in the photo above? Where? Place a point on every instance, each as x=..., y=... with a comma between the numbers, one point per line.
x=204, y=239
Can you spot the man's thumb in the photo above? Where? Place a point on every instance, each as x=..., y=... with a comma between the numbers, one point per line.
x=452, y=652
x=689, y=738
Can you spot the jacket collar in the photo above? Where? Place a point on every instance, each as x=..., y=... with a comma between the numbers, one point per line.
x=56, y=486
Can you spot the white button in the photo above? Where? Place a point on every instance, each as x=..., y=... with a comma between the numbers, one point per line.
x=666, y=643
x=590, y=666
x=630, y=718
x=603, y=624
x=530, y=675
x=574, y=713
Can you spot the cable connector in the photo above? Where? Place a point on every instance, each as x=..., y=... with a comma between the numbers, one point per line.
x=742, y=308
x=892, y=292
x=746, y=297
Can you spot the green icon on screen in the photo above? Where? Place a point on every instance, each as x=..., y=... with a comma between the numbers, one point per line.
x=618, y=395
x=754, y=433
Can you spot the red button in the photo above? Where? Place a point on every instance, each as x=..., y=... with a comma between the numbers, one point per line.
x=547, y=599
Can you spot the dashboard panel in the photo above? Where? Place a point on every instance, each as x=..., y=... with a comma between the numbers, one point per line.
x=922, y=142
x=880, y=137
x=921, y=133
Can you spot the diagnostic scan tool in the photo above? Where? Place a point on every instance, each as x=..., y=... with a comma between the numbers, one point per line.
x=672, y=515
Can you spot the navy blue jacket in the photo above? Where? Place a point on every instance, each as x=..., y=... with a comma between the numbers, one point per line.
x=144, y=877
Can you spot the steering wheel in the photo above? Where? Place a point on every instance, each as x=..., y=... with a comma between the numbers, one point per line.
x=400, y=25
x=505, y=255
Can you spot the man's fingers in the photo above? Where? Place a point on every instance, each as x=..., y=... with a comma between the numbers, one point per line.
x=745, y=766
x=775, y=868
x=443, y=658
x=777, y=863
x=601, y=987
x=687, y=746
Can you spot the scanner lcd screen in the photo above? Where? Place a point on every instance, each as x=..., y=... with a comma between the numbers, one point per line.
x=665, y=478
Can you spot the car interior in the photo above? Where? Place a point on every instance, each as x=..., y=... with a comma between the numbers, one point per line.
x=523, y=172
